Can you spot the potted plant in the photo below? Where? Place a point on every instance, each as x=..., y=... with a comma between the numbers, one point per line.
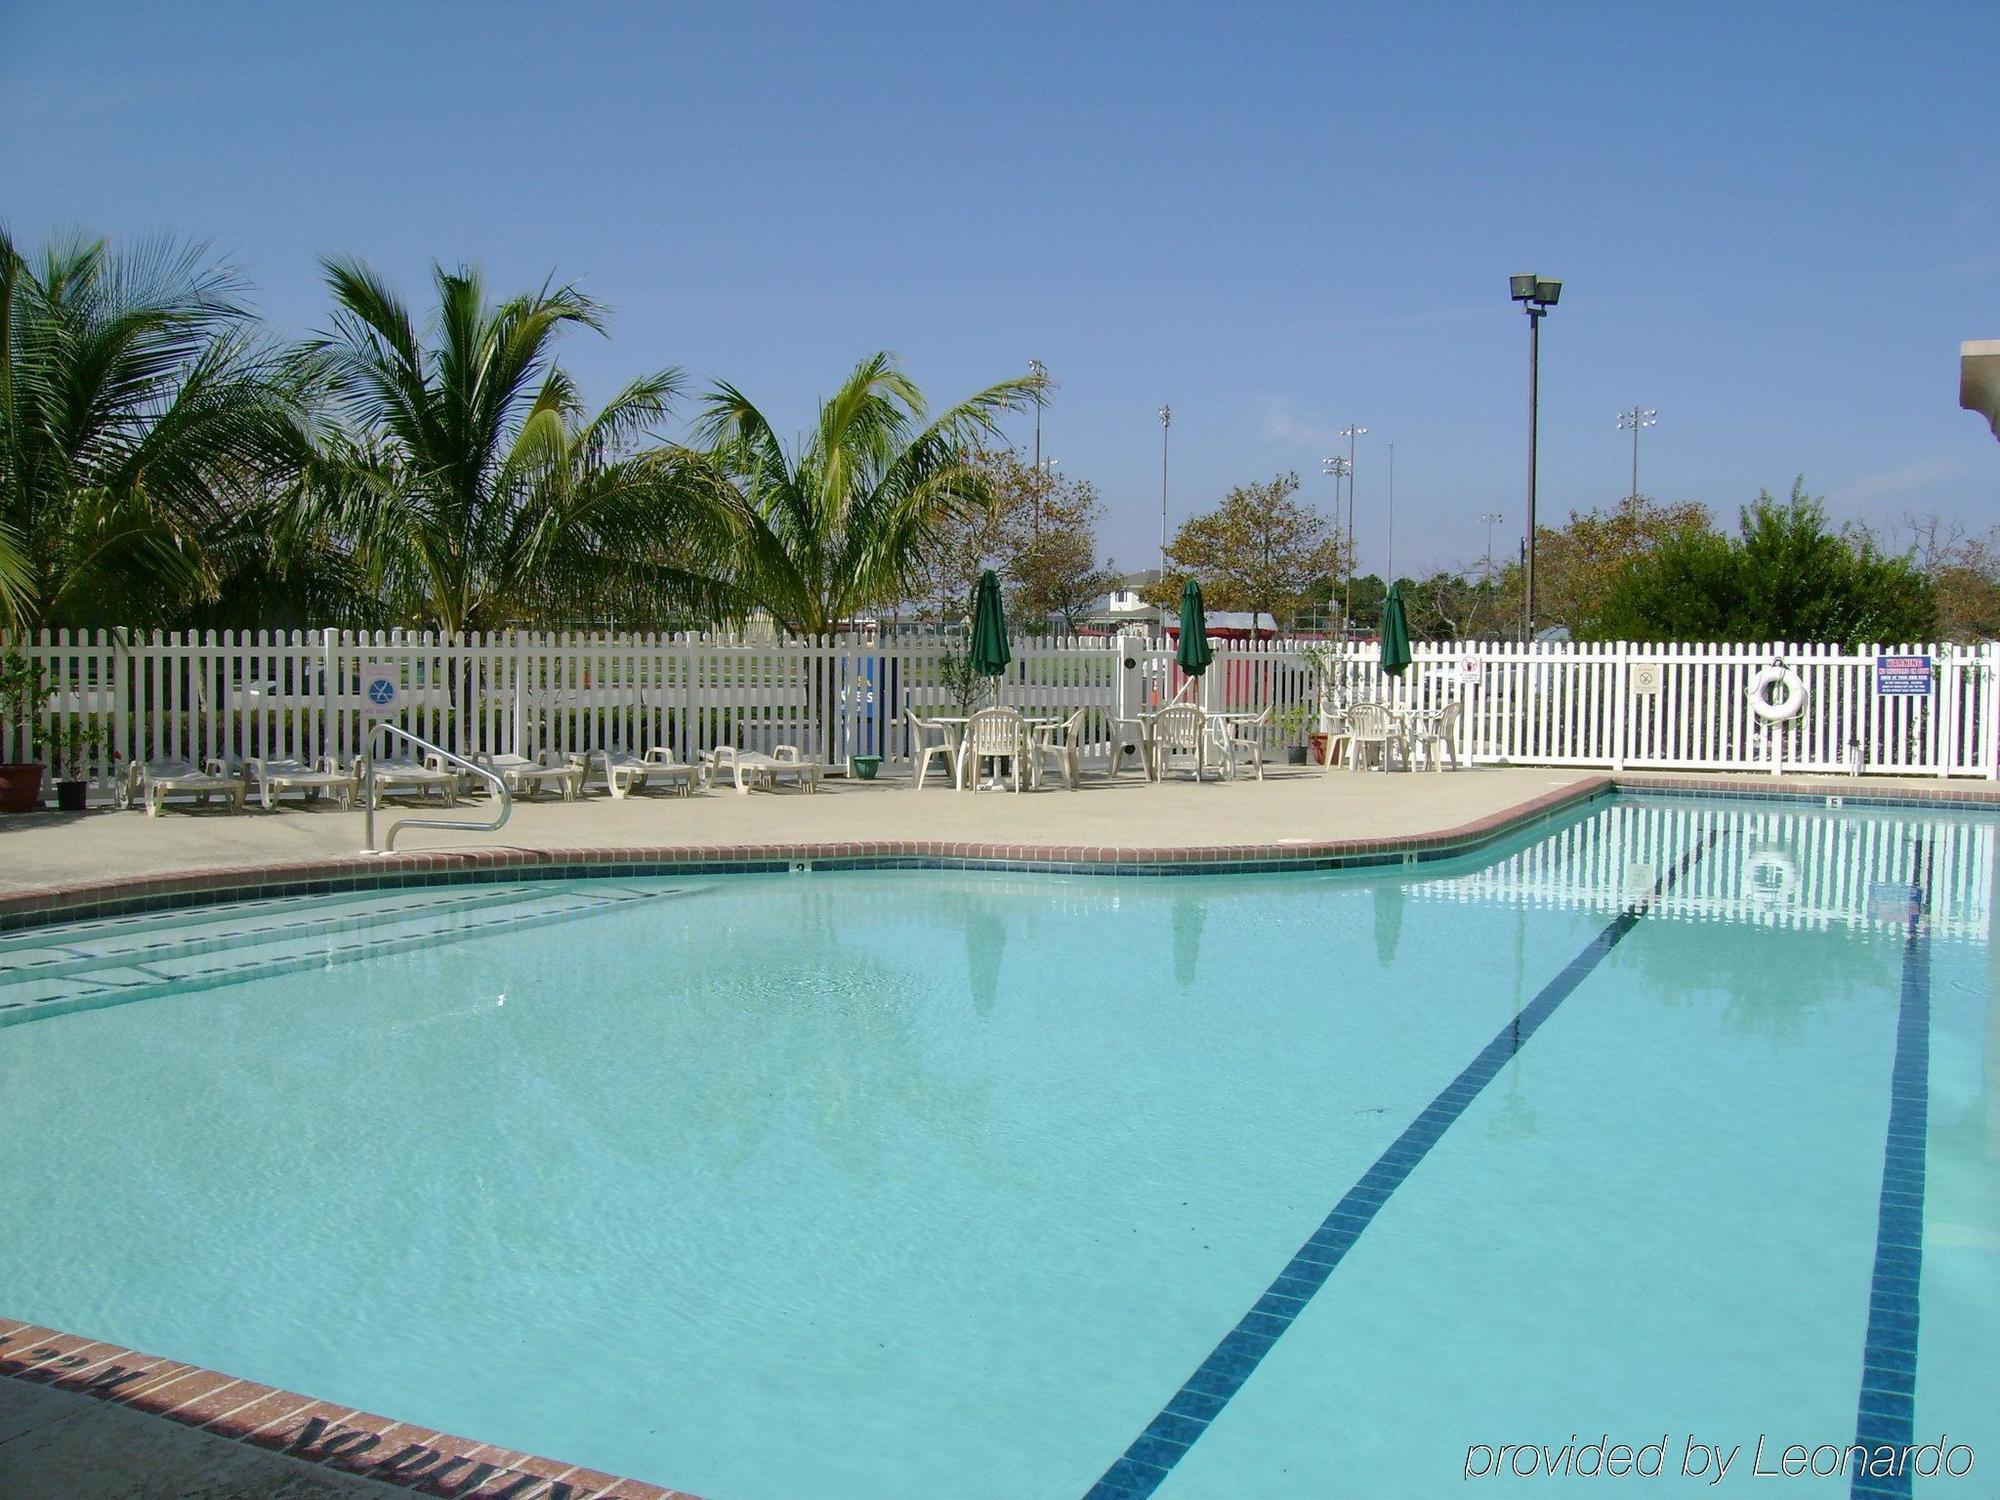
x=21, y=694
x=72, y=748
x=1295, y=721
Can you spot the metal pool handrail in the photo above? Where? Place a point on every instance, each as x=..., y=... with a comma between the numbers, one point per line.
x=368, y=789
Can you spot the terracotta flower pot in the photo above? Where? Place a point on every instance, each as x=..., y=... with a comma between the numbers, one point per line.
x=20, y=787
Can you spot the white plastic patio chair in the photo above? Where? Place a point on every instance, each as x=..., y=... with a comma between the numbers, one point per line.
x=1246, y=737
x=993, y=734
x=929, y=741
x=1373, y=730
x=1180, y=735
x=1333, y=724
x=275, y=775
x=1061, y=746
x=1436, y=734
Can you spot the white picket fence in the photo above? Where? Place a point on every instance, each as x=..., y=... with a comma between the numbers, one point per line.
x=1618, y=705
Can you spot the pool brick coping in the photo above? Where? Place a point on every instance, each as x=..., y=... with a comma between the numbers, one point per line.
x=314, y=1432
x=433, y=1463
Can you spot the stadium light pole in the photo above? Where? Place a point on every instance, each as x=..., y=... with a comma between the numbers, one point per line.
x=1635, y=420
x=1334, y=468
x=1536, y=297
x=1352, y=431
x=1166, y=425
x=1492, y=518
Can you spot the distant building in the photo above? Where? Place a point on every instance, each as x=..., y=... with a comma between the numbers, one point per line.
x=1125, y=604
x=1979, y=379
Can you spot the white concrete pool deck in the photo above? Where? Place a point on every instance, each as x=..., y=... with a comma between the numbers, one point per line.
x=1293, y=806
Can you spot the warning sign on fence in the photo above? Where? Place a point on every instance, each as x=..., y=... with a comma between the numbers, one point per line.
x=1903, y=676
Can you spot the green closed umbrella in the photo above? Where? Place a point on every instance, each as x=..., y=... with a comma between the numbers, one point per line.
x=1194, y=654
x=1395, y=634
x=990, y=653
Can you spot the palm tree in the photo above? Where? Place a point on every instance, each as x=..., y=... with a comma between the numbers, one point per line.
x=842, y=522
x=472, y=488
x=139, y=412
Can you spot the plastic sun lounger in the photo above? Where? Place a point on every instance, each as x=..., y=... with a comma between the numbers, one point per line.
x=403, y=773
x=155, y=781
x=753, y=768
x=526, y=778
x=626, y=774
x=274, y=777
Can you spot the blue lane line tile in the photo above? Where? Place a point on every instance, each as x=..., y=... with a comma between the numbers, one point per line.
x=1151, y=1457
x=1886, y=1411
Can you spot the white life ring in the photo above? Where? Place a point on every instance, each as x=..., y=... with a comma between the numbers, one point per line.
x=1770, y=879
x=1791, y=699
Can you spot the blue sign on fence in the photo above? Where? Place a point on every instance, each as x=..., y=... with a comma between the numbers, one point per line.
x=1903, y=676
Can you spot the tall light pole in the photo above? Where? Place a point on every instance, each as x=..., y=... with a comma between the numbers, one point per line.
x=1039, y=373
x=1536, y=297
x=1166, y=423
x=1636, y=420
x=1334, y=468
x=1350, y=432
x=1390, y=569
x=1492, y=518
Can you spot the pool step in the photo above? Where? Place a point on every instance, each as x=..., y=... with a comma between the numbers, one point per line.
x=51, y=951
x=130, y=971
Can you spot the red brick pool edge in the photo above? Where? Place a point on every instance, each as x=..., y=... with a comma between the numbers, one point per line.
x=299, y=1427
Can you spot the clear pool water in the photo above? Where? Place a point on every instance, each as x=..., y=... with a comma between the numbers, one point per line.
x=933, y=1184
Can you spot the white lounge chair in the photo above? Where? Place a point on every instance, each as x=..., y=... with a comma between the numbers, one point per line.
x=1245, y=737
x=274, y=776
x=995, y=734
x=1059, y=745
x=526, y=778
x=405, y=773
x=625, y=774
x=753, y=768
x=1436, y=735
x=930, y=740
x=152, y=782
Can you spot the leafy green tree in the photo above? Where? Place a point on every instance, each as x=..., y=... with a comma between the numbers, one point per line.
x=140, y=413
x=1577, y=565
x=1452, y=606
x=1371, y=591
x=1787, y=576
x=1045, y=535
x=472, y=487
x=844, y=522
x=1965, y=575
x=1260, y=550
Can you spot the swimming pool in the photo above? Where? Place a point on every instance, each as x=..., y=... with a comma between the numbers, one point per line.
x=1671, y=1124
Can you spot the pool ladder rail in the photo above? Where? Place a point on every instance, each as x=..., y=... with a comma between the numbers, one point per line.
x=388, y=844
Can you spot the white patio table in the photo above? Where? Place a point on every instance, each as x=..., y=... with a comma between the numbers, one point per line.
x=955, y=723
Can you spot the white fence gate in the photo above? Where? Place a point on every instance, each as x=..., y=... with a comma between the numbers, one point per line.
x=1668, y=706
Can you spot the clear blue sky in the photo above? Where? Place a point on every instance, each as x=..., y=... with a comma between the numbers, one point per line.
x=1774, y=222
